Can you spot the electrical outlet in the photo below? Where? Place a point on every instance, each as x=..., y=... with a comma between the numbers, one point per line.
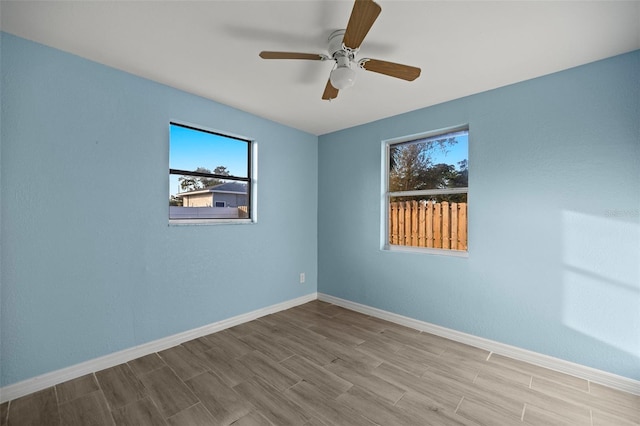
x=301, y=277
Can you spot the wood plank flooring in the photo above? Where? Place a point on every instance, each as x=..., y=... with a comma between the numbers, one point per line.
x=319, y=364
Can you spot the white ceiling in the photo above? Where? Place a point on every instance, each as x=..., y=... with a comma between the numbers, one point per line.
x=210, y=48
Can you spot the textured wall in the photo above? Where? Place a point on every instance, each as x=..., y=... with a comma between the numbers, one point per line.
x=554, y=269
x=89, y=263
x=554, y=222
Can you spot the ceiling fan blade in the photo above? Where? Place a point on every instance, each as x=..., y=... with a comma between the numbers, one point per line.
x=330, y=92
x=363, y=15
x=290, y=55
x=392, y=69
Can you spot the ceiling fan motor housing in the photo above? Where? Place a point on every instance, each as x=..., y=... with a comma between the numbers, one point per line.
x=335, y=42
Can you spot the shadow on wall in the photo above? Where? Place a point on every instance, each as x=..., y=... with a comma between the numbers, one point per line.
x=601, y=277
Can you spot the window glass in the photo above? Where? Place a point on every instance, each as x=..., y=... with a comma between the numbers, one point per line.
x=427, y=186
x=209, y=175
x=431, y=163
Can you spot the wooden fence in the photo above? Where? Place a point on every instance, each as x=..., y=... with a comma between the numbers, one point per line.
x=179, y=212
x=428, y=224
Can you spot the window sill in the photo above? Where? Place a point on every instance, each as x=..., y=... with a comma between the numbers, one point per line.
x=199, y=222
x=425, y=250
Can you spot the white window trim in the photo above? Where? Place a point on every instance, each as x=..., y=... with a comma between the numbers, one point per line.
x=200, y=222
x=426, y=250
x=253, y=183
x=386, y=195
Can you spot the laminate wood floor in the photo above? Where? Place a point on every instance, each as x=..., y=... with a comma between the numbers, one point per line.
x=320, y=364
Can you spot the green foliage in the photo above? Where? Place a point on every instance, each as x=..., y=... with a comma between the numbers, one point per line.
x=411, y=168
x=194, y=183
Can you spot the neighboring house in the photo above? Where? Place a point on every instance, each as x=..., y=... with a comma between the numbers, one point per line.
x=230, y=194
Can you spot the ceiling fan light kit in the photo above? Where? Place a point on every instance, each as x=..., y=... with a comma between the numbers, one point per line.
x=343, y=47
x=343, y=75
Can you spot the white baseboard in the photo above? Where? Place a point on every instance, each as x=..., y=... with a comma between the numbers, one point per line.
x=46, y=380
x=594, y=375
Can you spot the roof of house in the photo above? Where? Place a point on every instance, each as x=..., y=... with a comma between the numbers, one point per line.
x=228, y=188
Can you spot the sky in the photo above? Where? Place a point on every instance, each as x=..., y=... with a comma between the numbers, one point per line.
x=455, y=153
x=190, y=149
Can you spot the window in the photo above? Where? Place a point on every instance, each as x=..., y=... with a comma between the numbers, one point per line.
x=209, y=176
x=426, y=193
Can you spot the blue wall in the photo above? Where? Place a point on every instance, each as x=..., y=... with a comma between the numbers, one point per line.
x=89, y=263
x=554, y=231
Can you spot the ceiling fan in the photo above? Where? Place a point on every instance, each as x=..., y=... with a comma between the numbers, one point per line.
x=343, y=47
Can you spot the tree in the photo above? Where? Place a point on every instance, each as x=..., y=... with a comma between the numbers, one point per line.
x=411, y=168
x=194, y=183
x=455, y=179
x=460, y=179
x=221, y=170
x=407, y=164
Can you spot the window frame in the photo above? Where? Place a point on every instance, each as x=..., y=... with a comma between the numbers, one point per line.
x=250, y=179
x=385, y=244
